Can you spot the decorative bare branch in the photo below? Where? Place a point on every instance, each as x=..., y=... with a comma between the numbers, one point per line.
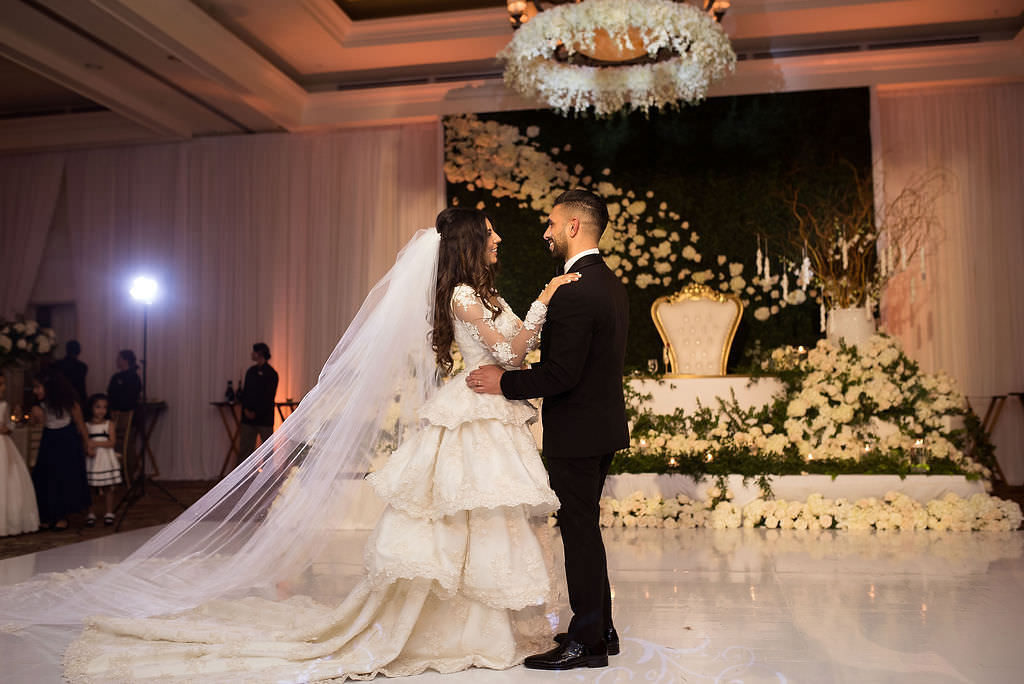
x=852, y=251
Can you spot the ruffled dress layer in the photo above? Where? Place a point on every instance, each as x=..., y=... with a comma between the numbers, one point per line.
x=18, y=511
x=456, y=576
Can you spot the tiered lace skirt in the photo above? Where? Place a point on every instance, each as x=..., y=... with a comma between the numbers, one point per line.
x=455, y=575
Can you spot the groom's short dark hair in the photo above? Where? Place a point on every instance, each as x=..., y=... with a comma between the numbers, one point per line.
x=587, y=203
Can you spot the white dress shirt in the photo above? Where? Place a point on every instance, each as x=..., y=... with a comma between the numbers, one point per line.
x=569, y=264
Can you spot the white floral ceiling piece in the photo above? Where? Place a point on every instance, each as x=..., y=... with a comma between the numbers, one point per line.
x=689, y=51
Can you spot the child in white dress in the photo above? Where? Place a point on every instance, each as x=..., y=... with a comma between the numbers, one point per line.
x=102, y=465
x=18, y=510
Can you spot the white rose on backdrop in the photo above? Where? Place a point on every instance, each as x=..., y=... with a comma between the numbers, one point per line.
x=21, y=344
x=796, y=297
x=843, y=413
x=5, y=343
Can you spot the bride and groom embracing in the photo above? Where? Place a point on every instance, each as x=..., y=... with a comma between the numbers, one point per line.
x=454, y=574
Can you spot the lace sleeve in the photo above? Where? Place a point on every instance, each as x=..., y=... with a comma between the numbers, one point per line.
x=508, y=349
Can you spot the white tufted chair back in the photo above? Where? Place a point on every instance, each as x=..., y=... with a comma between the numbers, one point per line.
x=697, y=326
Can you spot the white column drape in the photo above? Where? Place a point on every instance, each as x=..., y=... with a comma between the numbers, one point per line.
x=29, y=187
x=959, y=311
x=274, y=238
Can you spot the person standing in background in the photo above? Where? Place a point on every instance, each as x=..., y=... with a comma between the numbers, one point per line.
x=125, y=386
x=123, y=392
x=59, y=473
x=74, y=370
x=257, y=398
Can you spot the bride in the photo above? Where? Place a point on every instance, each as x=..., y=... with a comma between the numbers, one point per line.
x=453, y=574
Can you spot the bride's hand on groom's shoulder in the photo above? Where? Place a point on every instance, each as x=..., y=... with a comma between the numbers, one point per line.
x=485, y=380
x=554, y=284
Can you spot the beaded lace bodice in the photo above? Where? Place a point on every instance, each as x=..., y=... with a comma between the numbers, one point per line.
x=484, y=338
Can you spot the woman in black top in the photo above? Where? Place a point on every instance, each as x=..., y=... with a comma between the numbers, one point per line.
x=123, y=394
x=125, y=385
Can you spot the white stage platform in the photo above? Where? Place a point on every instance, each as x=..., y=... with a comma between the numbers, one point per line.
x=670, y=393
x=751, y=606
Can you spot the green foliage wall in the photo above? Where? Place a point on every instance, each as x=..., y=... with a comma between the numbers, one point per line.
x=723, y=167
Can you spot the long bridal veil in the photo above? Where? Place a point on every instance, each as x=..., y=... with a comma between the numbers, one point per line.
x=263, y=524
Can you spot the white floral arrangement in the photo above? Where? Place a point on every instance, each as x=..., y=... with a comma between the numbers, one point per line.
x=23, y=341
x=841, y=406
x=701, y=54
x=853, y=400
x=646, y=244
x=895, y=511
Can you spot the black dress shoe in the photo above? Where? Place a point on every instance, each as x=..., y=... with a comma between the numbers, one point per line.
x=611, y=638
x=568, y=656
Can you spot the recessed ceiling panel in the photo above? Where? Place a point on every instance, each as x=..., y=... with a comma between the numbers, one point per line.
x=381, y=9
x=25, y=93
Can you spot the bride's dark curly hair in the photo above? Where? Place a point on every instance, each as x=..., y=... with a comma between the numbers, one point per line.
x=462, y=259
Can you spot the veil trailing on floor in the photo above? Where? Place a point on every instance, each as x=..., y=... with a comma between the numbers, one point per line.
x=263, y=524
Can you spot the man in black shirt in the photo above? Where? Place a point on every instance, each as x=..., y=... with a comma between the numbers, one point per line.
x=123, y=393
x=74, y=370
x=125, y=386
x=257, y=398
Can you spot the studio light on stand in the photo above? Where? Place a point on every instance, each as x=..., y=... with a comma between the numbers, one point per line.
x=143, y=290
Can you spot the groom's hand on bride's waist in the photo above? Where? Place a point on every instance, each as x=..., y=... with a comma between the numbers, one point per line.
x=485, y=380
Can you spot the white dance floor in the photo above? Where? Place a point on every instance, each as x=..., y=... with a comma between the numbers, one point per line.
x=749, y=606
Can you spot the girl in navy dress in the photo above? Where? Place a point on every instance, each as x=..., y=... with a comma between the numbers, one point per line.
x=59, y=474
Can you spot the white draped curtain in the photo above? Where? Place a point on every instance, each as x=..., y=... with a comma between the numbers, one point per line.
x=29, y=188
x=272, y=239
x=959, y=310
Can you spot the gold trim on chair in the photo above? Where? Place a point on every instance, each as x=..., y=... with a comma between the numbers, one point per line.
x=694, y=292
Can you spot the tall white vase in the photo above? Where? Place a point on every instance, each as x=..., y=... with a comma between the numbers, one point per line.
x=852, y=325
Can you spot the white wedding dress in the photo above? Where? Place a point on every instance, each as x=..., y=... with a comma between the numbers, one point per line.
x=455, y=574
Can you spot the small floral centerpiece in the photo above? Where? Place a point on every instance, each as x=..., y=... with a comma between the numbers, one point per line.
x=662, y=53
x=23, y=342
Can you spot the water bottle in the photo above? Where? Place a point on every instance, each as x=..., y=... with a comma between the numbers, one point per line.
x=229, y=393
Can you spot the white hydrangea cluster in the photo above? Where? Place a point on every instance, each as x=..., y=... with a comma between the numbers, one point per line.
x=23, y=340
x=646, y=244
x=895, y=511
x=701, y=49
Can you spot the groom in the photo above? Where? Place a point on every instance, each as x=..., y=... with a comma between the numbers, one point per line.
x=583, y=345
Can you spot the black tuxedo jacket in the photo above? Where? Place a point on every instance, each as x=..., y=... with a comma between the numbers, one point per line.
x=582, y=352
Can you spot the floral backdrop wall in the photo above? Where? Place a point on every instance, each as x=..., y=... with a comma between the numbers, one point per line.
x=694, y=194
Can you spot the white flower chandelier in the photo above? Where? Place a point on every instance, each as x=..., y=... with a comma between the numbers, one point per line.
x=608, y=54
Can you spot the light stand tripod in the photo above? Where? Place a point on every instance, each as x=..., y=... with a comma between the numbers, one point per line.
x=143, y=290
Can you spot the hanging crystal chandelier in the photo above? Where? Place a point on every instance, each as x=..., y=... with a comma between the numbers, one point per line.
x=521, y=11
x=607, y=55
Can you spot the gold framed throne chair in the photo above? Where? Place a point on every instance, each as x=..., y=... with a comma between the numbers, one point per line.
x=697, y=326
